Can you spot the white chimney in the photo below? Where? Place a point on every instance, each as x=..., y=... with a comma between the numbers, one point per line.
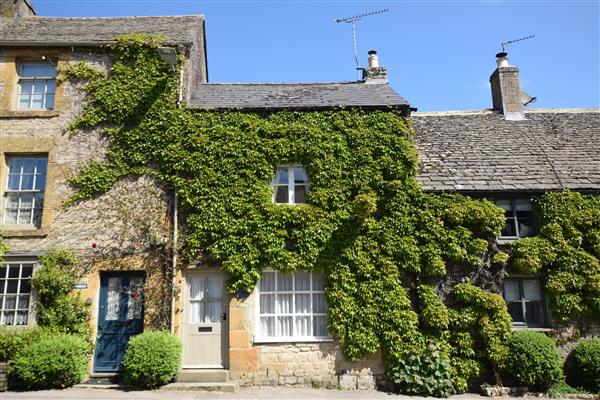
x=373, y=59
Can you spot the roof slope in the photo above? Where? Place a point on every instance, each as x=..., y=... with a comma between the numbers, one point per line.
x=483, y=152
x=273, y=96
x=50, y=31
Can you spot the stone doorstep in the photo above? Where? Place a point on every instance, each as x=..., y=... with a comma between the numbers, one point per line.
x=202, y=376
x=227, y=387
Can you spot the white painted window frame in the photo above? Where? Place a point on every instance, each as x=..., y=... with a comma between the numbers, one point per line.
x=19, y=193
x=515, y=219
x=35, y=79
x=290, y=184
x=22, y=261
x=259, y=338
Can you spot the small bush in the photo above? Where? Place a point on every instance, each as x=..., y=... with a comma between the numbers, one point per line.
x=533, y=360
x=424, y=373
x=13, y=340
x=152, y=359
x=583, y=365
x=55, y=361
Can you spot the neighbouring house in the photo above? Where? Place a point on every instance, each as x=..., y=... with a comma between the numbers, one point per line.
x=121, y=235
x=505, y=154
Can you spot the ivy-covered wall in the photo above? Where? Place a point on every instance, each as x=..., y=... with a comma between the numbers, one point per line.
x=386, y=247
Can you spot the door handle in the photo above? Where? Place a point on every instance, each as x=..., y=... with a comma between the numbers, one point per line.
x=224, y=316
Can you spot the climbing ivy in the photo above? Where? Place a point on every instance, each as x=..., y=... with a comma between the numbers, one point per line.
x=384, y=245
x=566, y=253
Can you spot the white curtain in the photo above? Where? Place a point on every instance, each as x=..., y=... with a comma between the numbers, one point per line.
x=532, y=290
x=113, y=299
x=303, y=327
x=285, y=326
x=134, y=304
x=196, y=297
x=511, y=291
x=284, y=303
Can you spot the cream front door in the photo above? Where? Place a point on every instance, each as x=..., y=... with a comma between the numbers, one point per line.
x=205, y=333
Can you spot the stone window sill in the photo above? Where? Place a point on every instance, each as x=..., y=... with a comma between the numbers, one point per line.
x=532, y=329
x=29, y=114
x=274, y=340
x=24, y=232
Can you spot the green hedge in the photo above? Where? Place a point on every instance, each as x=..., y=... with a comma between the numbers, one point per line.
x=152, y=359
x=533, y=360
x=56, y=361
x=15, y=339
x=583, y=365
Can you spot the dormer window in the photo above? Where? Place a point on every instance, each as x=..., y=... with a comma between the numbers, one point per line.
x=519, y=218
x=290, y=185
x=37, y=86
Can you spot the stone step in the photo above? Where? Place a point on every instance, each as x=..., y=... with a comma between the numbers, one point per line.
x=202, y=375
x=227, y=387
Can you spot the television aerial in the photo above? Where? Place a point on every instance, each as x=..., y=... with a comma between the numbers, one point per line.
x=526, y=98
x=352, y=20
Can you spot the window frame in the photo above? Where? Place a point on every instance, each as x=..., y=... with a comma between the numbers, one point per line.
x=22, y=261
x=545, y=323
x=514, y=218
x=291, y=184
x=22, y=78
x=260, y=338
x=35, y=193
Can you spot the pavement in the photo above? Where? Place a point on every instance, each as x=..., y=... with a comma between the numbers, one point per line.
x=265, y=393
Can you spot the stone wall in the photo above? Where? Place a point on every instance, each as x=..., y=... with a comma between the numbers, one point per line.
x=317, y=364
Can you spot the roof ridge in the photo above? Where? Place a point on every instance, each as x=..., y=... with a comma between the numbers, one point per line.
x=39, y=17
x=280, y=83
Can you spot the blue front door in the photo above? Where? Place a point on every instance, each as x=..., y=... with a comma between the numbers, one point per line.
x=120, y=316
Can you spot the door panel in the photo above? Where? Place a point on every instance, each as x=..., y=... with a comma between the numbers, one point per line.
x=120, y=316
x=205, y=334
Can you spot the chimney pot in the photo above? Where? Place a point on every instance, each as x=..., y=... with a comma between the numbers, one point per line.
x=506, y=91
x=373, y=59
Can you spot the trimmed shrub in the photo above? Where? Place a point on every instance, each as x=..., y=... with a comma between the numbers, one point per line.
x=533, y=360
x=14, y=340
x=424, y=372
x=583, y=365
x=152, y=359
x=56, y=361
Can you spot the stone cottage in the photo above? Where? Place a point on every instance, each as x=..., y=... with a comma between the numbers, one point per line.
x=505, y=154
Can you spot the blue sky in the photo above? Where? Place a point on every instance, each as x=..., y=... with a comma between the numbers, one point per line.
x=439, y=53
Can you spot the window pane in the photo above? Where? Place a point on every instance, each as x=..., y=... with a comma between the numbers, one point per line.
x=27, y=271
x=302, y=304
x=284, y=282
x=267, y=326
x=14, y=270
x=196, y=288
x=3, y=269
x=13, y=182
x=267, y=303
x=196, y=312
x=12, y=200
x=25, y=286
x=21, y=318
x=299, y=175
x=281, y=176
x=213, y=311
x=50, y=86
x=10, y=302
x=284, y=304
x=27, y=182
x=511, y=290
x=535, y=313
x=532, y=290
x=37, y=101
x=49, y=103
x=267, y=282
x=320, y=326
x=303, y=281
x=285, y=326
x=23, y=303
x=42, y=166
x=319, y=304
x=30, y=69
x=25, y=217
x=29, y=165
x=303, y=327
x=24, y=101
x=215, y=288
x=516, y=312
x=26, y=201
x=8, y=318
x=300, y=194
x=281, y=195
x=26, y=88
x=37, y=217
x=509, y=228
x=113, y=299
x=523, y=205
x=10, y=217
x=39, y=87
x=15, y=164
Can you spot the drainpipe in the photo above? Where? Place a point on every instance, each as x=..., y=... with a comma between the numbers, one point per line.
x=169, y=56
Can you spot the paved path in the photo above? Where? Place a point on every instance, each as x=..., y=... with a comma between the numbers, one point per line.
x=266, y=393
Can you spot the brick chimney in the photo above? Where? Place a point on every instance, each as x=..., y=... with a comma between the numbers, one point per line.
x=506, y=89
x=374, y=73
x=16, y=8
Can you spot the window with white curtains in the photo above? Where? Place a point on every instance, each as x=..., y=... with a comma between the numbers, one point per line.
x=292, y=306
x=15, y=292
x=206, y=299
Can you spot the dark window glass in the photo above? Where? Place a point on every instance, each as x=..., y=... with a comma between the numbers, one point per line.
x=281, y=194
x=525, y=302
